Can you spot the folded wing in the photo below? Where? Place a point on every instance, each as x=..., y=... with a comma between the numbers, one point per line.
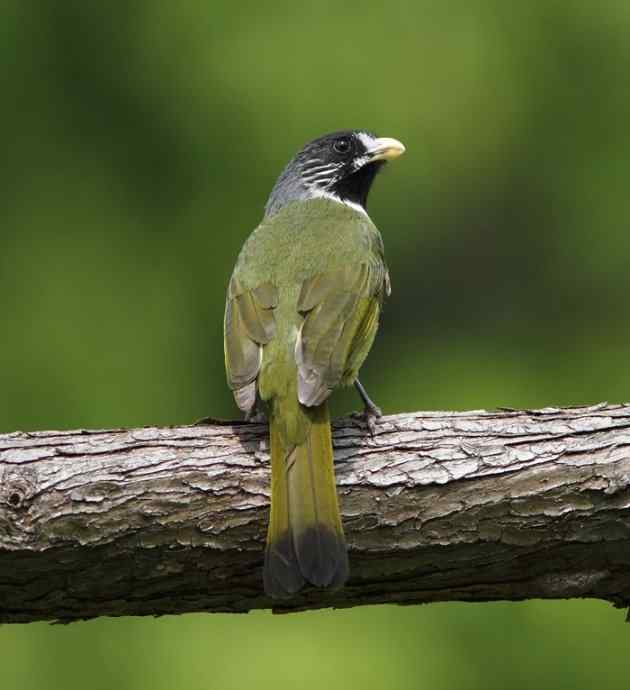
x=341, y=310
x=249, y=324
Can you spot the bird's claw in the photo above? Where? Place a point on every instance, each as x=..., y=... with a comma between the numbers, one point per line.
x=256, y=416
x=370, y=414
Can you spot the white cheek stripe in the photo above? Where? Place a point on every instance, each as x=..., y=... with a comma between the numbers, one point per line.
x=313, y=174
x=320, y=177
x=323, y=166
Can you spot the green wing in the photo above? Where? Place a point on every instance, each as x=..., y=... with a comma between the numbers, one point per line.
x=341, y=310
x=249, y=324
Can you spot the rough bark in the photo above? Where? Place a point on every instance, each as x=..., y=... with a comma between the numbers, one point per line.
x=437, y=506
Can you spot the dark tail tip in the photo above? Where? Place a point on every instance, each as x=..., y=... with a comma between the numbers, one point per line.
x=281, y=573
x=323, y=557
x=318, y=556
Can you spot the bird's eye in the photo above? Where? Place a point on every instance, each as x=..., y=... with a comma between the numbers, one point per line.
x=342, y=145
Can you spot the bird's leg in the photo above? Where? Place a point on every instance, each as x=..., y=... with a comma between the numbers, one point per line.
x=256, y=415
x=370, y=407
x=371, y=412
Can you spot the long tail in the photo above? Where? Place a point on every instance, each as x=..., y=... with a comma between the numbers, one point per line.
x=305, y=541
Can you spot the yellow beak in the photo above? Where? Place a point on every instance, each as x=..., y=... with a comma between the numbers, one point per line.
x=385, y=149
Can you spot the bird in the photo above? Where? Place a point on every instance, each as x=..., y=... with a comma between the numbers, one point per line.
x=302, y=310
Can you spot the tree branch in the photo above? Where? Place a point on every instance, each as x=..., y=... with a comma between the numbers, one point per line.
x=437, y=506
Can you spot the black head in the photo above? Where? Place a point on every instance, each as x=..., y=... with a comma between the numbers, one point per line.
x=341, y=166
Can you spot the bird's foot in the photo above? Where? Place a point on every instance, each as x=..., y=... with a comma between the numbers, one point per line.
x=369, y=417
x=256, y=416
x=371, y=411
x=370, y=414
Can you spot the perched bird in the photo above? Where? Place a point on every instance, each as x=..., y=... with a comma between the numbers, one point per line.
x=301, y=314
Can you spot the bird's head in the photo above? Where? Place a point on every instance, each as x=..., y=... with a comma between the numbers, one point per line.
x=339, y=166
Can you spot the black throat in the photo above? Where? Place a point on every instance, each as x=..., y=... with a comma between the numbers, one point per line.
x=356, y=187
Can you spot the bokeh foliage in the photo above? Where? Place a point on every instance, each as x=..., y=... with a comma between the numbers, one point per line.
x=140, y=142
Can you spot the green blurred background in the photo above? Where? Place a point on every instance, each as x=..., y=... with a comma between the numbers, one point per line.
x=140, y=142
